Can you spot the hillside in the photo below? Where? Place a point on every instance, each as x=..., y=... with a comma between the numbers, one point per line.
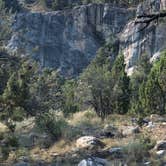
x=82, y=82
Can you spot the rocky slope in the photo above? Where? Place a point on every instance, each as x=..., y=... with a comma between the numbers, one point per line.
x=68, y=40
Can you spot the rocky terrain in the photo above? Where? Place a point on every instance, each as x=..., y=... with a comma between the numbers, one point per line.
x=107, y=143
x=68, y=40
x=102, y=117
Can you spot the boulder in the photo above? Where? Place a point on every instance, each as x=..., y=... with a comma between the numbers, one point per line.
x=150, y=125
x=161, y=153
x=157, y=118
x=89, y=142
x=130, y=130
x=116, y=152
x=110, y=131
x=3, y=128
x=94, y=161
x=22, y=164
x=161, y=145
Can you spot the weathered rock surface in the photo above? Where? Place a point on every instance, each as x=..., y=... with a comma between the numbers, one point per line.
x=130, y=130
x=67, y=40
x=110, y=131
x=94, y=161
x=89, y=142
x=137, y=40
x=161, y=145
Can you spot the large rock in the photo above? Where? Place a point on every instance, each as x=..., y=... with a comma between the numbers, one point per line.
x=67, y=40
x=94, y=161
x=22, y=164
x=130, y=130
x=89, y=142
x=157, y=118
x=161, y=145
x=110, y=131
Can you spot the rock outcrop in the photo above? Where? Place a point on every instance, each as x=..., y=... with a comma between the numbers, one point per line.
x=67, y=40
x=139, y=39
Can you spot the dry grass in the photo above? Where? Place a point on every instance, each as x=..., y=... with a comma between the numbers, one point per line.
x=3, y=128
x=86, y=118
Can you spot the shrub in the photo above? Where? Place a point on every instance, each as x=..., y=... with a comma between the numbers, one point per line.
x=18, y=114
x=51, y=124
x=138, y=150
x=12, y=141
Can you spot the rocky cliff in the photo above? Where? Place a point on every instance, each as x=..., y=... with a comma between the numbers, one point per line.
x=68, y=40
x=139, y=39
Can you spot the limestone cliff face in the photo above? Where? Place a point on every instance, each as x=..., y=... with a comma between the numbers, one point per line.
x=137, y=40
x=67, y=40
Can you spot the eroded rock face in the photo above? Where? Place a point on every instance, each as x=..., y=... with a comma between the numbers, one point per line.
x=94, y=161
x=89, y=142
x=67, y=40
x=137, y=39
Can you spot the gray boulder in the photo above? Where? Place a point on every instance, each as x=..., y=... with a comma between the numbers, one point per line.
x=130, y=130
x=94, y=161
x=22, y=164
x=161, y=145
x=89, y=142
x=110, y=131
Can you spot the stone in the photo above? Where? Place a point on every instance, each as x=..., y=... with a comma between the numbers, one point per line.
x=110, y=131
x=130, y=130
x=157, y=118
x=150, y=125
x=3, y=128
x=116, y=152
x=89, y=142
x=161, y=153
x=161, y=145
x=94, y=161
x=22, y=164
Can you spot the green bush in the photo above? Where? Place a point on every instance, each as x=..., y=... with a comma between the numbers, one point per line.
x=138, y=150
x=51, y=124
x=18, y=114
x=12, y=141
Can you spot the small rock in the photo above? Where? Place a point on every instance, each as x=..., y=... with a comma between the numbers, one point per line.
x=150, y=125
x=161, y=153
x=88, y=142
x=116, y=152
x=147, y=163
x=161, y=145
x=24, y=158
x=94, y=161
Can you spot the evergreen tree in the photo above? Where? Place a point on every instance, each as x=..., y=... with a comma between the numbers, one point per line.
x=69, y=104
x=153, y=92
x=137, y=80
x=121, y=86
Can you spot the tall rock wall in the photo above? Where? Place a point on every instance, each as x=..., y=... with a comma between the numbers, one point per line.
x=139, y=39
x=67, y=40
